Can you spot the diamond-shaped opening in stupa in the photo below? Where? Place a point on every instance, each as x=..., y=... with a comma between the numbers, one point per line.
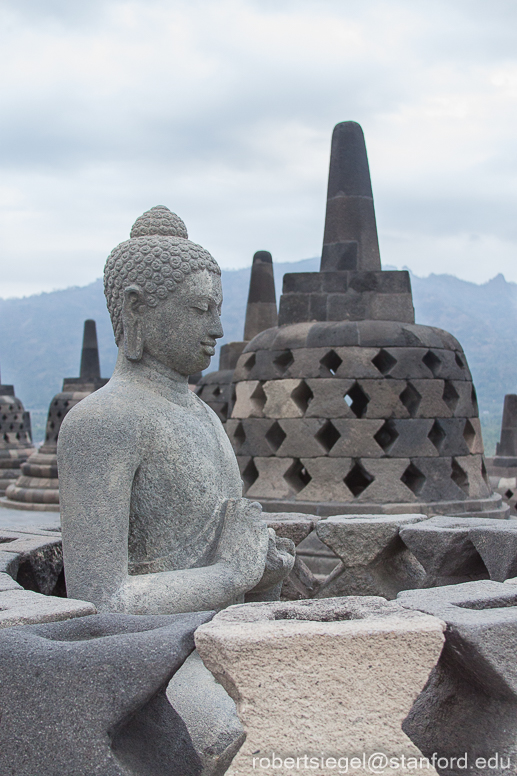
x=460, y=476
x=327, y=436
x=384, y=361
x=331, y=361
x=432, y=362
x=283, y=361
x=275, y=436
x=358, y=479
x=357, y=400
x=450, y=395
x=469, y=435
x=302, y=396
x=437, y=435
x=411, y=399
x=250, y=362
x=387, y=435
x=297, y=476
x=249, y=474
x=239, y=436
x=413, y=479
x=258, y=398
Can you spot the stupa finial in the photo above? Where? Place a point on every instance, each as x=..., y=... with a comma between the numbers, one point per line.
x=90, y=366
x=350, y=239
x=261, y=311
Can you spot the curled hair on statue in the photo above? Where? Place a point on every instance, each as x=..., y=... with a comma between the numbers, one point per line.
x=157, y=258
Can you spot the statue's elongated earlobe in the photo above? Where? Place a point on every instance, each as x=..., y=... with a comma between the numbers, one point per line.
x=132, y=323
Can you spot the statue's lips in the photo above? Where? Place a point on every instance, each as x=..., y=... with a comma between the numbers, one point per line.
x=209, y=348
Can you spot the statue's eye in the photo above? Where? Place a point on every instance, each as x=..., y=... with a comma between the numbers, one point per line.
x=200, y=308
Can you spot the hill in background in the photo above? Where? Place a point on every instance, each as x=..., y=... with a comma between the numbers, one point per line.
x=41, y=335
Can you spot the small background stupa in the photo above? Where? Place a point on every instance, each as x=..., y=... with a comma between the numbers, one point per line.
x=215, y=388
x=15, y=436
x=348, y=406
x=38, y=487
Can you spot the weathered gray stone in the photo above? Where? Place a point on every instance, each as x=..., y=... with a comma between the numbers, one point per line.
x=88, y=696
x=320, y=676
x=374, y=560
x=152, y=514
x=468, y=707
x=449, y=548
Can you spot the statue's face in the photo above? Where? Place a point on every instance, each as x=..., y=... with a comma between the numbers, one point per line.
x=181, y=331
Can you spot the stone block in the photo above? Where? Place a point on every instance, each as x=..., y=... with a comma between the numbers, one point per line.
x=392, y=307
x=374, y=560
x=249, y=400
x=286, y=398
x=469, y=706
x=445, y=549
x=293, y=336
x=321, y=676
x=430, y=479
x=301, y=282
x=357, y=438
x=318, y=307
x=386, y=484
x=473, y=466
x=295, y=526
x=466, y=405
x=301, y=437
x=431, y=403
x=329, y=398
x=271, y=482
x=410, y=438
x=337, y=335
x=349, y=306
x=384, y=398
x=88, y=696
x=356, y=363
x=248, y=436
x=293, y=308
x=327, y=480
x=24, y=607
x=496, y=543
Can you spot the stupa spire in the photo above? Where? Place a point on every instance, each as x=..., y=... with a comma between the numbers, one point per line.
x=261, y=311
x=90, y=366
x=350, y=238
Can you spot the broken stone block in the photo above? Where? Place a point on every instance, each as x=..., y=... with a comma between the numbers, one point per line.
x=320, y=676
x=88, y=696
x=374, y=560
x=469, y=706
x=449, y=553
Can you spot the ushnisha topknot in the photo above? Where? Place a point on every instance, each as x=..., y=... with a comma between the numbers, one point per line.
x=157, y=257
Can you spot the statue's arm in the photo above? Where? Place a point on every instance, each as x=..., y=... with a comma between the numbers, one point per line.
x=98, y=457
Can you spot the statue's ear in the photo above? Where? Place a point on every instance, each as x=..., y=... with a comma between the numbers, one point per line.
x=132, y=307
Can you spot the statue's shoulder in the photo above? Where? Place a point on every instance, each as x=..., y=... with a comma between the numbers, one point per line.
x=112, y=410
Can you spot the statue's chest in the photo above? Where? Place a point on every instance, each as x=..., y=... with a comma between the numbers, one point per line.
x=188, y=452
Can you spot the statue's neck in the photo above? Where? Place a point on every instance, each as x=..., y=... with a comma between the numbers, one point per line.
x=153, y=375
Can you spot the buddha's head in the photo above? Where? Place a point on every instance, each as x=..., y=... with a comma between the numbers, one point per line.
x=164, y=294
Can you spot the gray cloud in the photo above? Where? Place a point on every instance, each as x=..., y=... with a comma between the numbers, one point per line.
x=223, y=110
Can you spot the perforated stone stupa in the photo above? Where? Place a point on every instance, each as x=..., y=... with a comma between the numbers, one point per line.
x=15, y=436
x=37, y=487
x=215, y=388
x=348, y=406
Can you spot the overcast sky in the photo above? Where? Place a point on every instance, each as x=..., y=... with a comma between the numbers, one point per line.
x=223, y=111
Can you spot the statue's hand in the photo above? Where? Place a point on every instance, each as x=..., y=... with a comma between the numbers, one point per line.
x=244, y=542
x=279, y=562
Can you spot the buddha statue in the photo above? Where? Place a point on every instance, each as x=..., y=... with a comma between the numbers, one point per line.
x=152, y=512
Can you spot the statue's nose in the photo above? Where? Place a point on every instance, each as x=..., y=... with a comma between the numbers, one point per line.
x=216, y=328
